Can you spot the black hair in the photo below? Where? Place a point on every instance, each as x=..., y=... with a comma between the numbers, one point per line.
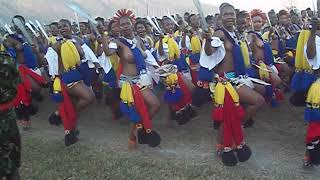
x=224, y=5
x=164, y=18
x=110, y=24
x=191, y=16
x=242, y=14
x=180, y=22
x=140, y=21
x=54, y=24
x=209, y=17
x=282, y=12
x=66, y=20
x=99, y=19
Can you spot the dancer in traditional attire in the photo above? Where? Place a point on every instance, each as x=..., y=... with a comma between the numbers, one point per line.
x=54, y=33
x=114, y=32
x=64, y=59
x=288, y=34
x=135, y=83
x=195, y=46
x=26, y=55
x=178, y=83
x=227, y=98
x=312, y=110
x=140, y=27
x=263, y=58
x=111, y=90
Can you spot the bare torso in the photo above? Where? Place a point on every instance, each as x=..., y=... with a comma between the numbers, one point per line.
x=257, y=47
x=127, y=60
x=227, y=63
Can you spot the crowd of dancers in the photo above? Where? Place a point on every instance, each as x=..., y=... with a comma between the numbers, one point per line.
x=239, y=61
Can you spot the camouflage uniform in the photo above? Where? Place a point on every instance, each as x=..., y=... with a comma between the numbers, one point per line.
x=10, y=144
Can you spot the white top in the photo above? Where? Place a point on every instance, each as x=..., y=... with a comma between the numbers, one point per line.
x=188, y=43
x=52, y=59
x=213, y=60
x=89, y=55
x=166, y=53
x=315, y=61
x=105, y=63
x=150, y=60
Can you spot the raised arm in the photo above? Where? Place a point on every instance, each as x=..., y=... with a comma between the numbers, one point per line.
x=106, y=46
x=18, y=47
x=311, y=45
x=208, y=49
x=160, y=48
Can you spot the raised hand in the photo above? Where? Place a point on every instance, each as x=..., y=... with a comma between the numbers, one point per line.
x=315, y=24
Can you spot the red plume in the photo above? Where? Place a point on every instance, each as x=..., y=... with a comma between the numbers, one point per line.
x=124, y=13
x=258, y=12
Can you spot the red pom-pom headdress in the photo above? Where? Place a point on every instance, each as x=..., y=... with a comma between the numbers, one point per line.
x=124, y=13
x=258, y=12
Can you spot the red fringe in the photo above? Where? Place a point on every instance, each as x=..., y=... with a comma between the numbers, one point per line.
x=39, y=79
x=279, y=95
x=231, y=115
x=313, y=132
x=24, y=95
x=194, y=76
x=278, y=66
x=141, y=107
x=24, y=76
x=67, y=111
x=217, y=114
x=119, y=72
x=186, y=98
x=23, y=89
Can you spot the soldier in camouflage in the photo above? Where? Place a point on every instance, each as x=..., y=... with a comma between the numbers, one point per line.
x=10, y=144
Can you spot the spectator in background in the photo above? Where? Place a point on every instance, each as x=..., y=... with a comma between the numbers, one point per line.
x=186, y=17
x=273, y=17
x=309, y=12
x=210, y=21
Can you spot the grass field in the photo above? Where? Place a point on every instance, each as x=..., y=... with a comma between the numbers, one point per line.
x=186, y=152
x=45, y=159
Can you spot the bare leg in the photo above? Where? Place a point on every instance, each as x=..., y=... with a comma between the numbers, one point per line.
x=252, y=98
x=285, y=74
x=275, y=79
x=220, y=135
x=83, y=94
x=219, y=145
x=151, y=101
x=188, y=83
x=45, y=76
x=260, y=89
x=36, y=88
x=169, y=122
x=132, y=142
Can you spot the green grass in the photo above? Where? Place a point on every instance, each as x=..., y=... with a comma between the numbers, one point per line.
x=49, y=159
